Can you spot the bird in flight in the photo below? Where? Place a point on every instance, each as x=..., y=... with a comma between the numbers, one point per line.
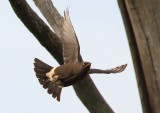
x=73, y=69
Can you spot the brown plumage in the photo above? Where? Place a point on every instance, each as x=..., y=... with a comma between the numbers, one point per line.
x=73, y=70
x=68, y=74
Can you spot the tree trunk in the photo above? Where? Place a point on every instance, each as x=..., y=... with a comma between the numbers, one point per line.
x=142, y=20
x=85, y=89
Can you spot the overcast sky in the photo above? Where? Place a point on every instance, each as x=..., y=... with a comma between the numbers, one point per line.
x=101, y=34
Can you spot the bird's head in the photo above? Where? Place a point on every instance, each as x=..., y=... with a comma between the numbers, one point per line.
x=86, y=65
x=84, y=69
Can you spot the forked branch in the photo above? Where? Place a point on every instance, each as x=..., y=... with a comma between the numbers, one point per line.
x=85, y=89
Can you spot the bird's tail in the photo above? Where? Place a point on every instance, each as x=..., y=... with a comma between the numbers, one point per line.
x=41, y=69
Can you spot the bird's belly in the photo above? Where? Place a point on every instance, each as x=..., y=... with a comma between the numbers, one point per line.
x=73, y=79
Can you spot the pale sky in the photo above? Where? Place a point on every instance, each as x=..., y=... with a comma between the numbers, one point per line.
x=101, y=34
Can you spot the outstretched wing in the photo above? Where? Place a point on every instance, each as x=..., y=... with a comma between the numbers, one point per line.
x=117, y=69
x=71, y=47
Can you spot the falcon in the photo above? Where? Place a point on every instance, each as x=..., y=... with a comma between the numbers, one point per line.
x=73, y=70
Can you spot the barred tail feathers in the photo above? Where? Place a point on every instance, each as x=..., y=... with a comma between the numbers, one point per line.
x=41, y=69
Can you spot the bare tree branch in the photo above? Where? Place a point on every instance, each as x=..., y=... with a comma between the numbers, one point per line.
x=38, y=28
x=85, y=89
x=135, y=57
x=51, y=14
x=142, y=21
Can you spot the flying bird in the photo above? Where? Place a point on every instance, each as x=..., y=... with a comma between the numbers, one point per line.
x=73, y=70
